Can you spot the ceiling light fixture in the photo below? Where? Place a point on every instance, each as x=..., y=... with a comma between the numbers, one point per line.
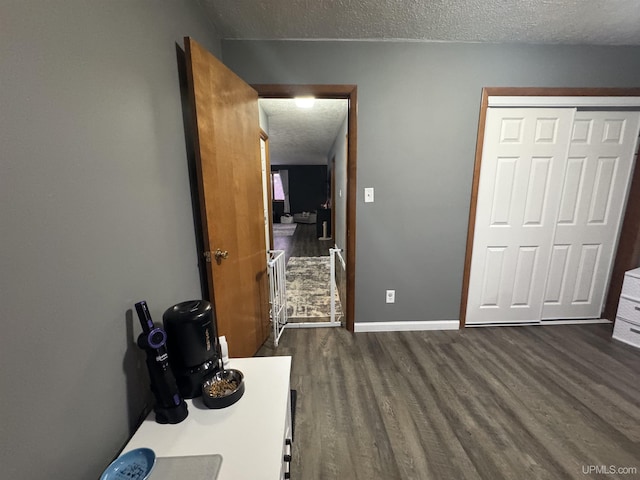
x=305, y=102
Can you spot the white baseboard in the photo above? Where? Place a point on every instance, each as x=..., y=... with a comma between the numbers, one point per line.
x=406, y=326
x=454, y=325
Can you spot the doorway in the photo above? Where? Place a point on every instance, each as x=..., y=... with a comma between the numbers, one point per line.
x=328, y=225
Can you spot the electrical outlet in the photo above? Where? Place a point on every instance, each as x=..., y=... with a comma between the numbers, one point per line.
x=391, y=296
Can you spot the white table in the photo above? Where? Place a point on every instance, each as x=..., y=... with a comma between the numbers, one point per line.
x=250, y=434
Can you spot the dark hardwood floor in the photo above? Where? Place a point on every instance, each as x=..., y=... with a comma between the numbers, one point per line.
x=553, y=402
x=303, y=243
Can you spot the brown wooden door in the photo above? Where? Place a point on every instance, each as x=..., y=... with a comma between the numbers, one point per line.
x=227, y=146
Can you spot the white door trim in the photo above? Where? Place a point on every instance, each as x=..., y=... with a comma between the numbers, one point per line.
x=571, y=102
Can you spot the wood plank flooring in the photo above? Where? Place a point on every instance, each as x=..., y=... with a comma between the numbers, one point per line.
x=303, y=243
x=482, y=403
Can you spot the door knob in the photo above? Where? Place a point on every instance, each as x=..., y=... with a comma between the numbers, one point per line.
x=220, y=255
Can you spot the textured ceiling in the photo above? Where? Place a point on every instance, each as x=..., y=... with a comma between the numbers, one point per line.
x=302, y=136
x=305, y=136
x=595, y=22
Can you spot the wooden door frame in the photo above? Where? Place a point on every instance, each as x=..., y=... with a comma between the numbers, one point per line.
x=265, y=138
x=627, y=254
x=350, y=93
x=332, y=195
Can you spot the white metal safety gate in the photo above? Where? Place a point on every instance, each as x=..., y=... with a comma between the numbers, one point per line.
x=335, y=252
x=277, y=293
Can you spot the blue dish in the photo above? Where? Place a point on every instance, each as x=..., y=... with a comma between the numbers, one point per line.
x=134, y=465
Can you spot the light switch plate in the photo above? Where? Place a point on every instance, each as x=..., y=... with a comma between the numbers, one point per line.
x=368, y=195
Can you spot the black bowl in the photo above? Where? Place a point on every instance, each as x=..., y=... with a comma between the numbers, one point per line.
x=229, y=398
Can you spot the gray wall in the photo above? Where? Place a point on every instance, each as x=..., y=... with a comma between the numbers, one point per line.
x=95, y=211
x=418, y=106
x=264, y=119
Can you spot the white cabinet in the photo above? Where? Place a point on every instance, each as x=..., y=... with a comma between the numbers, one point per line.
x=253, y=435
x=627, y=327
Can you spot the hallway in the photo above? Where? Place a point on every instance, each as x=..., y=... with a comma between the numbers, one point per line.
x=303, y=243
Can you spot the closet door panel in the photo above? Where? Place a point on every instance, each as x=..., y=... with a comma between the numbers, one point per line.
x=538, y=189
x=521, y=177
x=573, y=183
x=557, y=272
x=586, y=277
x=503, y=190
x=494, y=260
x=524, y=272
x=596, y=183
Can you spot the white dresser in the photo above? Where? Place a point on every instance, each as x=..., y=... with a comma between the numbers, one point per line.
x=253, y=435
x=627, y=327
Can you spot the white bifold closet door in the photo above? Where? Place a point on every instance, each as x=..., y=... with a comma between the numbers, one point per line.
x=553, y=185
x=596, y=184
